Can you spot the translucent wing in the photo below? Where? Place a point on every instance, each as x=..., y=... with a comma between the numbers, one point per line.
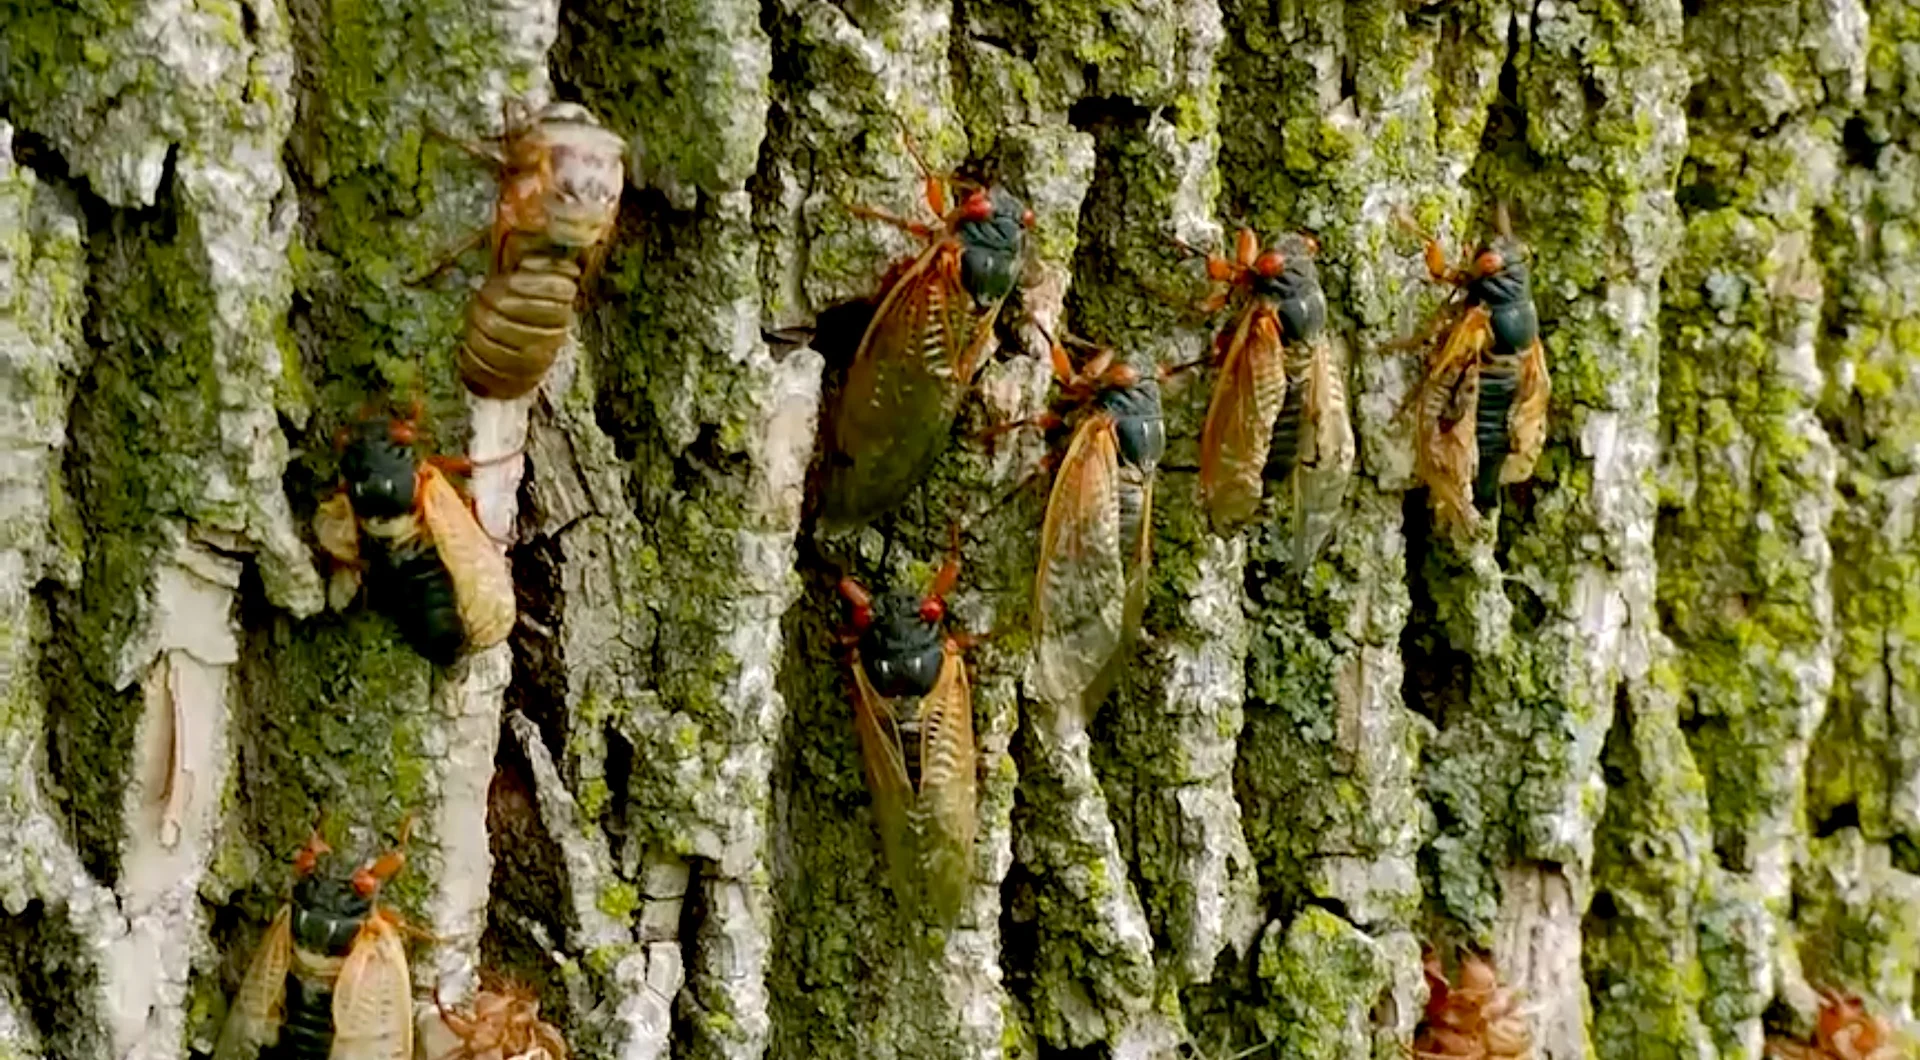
x=482, y=584
x=1239, y=428
x=254, y=1020
x=948, y=770
x=885, y=764
x=1527, y=422
x=1447, y=450
x=1326, y=457
x=338, y=531
x=913, y=366
x=373, y=997
x=1080, y=589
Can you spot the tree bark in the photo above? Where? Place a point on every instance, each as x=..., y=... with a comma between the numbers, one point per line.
x=1651, y=737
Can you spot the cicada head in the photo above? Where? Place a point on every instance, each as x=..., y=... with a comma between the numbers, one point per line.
x=1132, y=398
x=992, y=227
x=378, y=466
x=1500, y=280
x=1286, y=276
x=587, y=165
x=902, y=646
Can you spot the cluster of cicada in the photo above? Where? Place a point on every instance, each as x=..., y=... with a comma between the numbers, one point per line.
x=1846, y=1030
x=1472, y=1015
x=330, y=979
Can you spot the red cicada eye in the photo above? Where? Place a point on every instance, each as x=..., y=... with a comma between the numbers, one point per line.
x=1270, y=264
x=978, y=207
x=1489, y=262
x=862, y=616
x=1026, y=219
x=932, y=609
x=402, y=432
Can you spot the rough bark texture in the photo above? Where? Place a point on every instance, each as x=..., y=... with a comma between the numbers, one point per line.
x=1653, y=737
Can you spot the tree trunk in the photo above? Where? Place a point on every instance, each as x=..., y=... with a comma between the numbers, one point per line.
x=1651, y=737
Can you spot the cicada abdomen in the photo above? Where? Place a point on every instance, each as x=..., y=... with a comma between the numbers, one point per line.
x=330, y=980
x=913, y=714
x=561, y=176
x=920, y=352
x=1096, y=543
x=437, y=574
x=1313, y=446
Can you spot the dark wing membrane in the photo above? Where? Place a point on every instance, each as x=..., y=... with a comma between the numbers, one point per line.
x=373, y=998
x=948, y=781
x=1240, y=418
x=253, y=1021
x=1326, y=453
x=1080, y=588
x=903, y=387
x=884, y=762
x=1527, y=422
x=1448, y=397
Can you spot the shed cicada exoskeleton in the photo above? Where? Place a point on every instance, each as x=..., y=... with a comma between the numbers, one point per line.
x=922, y=348
x=428, y=564
x=502, y=1023
x=561, y=175
x=913, y=714
x=1473, y=1016
x=330, y=979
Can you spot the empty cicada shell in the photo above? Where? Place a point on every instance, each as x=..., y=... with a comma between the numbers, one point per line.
x=1845, y=1030
x=1474, y=1017
x=921, y=350
x=330, y=979
x=913, y=714
x=502, y=1023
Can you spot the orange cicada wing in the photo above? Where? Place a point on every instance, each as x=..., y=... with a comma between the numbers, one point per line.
x=883, y=760
x=905, y=384
x=1447, y=450
x=337, y=529
x=1239, y=428
x=482, y=582
x=1527, y=422
x=1081, y=586
x=253, y=1021
x=373, y=997
x=945, y=809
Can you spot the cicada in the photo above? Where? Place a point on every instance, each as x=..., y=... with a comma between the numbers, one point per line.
x=433, y=569
x=920, y=351
x=503, y=1023
x=1279, y=407
x=913, y=715
x=1475, y=1017
x=1096, y=544
x=1846, y=1030
x=561, y=174
x=1481, y=405
x=330, y=979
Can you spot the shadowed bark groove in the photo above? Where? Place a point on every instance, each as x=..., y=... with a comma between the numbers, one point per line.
x=1651, y=737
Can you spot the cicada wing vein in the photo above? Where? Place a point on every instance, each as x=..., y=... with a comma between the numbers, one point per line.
x=1447, y=450
x=1527, y=421
x=1240, y=417
x=373, y=997
x=1080, y=588
x=253, y=1021
x=1326, y=463
x=482, y=583
x=948, y=782
x=884, y=762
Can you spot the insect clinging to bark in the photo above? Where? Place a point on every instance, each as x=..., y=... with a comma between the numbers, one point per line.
x=1846, y=1030
x=1096, y=543
x=561, y=174
x=1481, y=404
x=434, y=570
x=913, y=714
x=330, y=979
x=502, y=1023
x=922, y=348
x=1279, y=407
x=1474, y=1017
